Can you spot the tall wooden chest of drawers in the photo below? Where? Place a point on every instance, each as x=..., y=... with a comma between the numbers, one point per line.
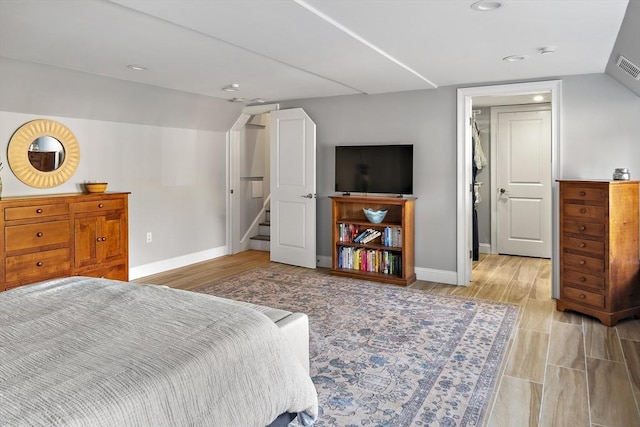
x=63, y=235
x=599, y=249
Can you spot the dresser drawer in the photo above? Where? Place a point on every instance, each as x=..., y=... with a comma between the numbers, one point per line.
x=593, y=246
x=583, y=297
x=570, y=277
x=31, y=236
x=40, y=265
x=584, y=193
x=595, y=229
x=36, y=211
x=99, y=205
x=583, y=211
x=579, y=263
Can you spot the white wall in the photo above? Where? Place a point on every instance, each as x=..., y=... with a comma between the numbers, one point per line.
x=177, y=180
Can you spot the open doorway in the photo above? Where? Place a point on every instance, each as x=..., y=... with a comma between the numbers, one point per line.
x=470, y=99
x=511, y=172
x=249, y=180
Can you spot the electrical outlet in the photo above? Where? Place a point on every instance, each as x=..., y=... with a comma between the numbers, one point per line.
x=149, y=237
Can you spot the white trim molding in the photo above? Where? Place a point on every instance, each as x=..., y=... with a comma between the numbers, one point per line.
x=438, y=276
x=177, y=262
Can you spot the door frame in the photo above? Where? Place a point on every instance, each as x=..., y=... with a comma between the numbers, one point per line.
x=233, y=140
x=464, y=179
x=493, y=154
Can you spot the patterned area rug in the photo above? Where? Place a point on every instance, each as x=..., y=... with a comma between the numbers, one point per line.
x=383, y=355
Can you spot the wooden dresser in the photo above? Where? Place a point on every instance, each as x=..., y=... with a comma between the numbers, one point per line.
x=599, y=249
x=63, y=235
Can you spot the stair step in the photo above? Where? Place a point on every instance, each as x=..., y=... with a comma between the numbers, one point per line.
x=261, y=237
x=266, y=223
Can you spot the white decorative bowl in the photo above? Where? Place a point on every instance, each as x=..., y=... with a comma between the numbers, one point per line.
x=375, y=217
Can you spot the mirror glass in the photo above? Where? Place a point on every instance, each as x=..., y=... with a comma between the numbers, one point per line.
x=43, y=153
x=46, y=153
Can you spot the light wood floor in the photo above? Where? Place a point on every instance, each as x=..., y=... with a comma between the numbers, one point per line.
x=561, y=369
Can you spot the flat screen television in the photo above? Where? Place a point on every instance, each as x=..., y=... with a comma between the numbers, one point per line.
x=374, y=169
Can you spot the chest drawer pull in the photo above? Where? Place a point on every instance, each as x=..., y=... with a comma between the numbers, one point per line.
x=582, y=193
x=583, y=244
x=582, y=279
x=100, y=205
x=582, y=228
x=582, y=296
x=583, y=210
x=582, y=262
x=39, y=234
x=38, y=211
x=39, y=264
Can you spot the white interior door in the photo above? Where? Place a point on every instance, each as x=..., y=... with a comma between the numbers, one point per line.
x=524, y=183
x=293, y=188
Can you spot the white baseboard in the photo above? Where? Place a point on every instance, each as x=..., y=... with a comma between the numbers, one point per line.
x=485, y=248
x=177, y=262
x=427, y=274
x=439, y=276
x=323, y=261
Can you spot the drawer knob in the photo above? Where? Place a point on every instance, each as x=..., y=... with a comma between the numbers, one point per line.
x=582, y=262
x=100, y=205
x=582, y=296
x=38, y=211
x=583, y=210
x=39, y=264
x=583, y=245
x=104, y=239
x=582, y=193
x=583, y=279
x=582, y=228
x=39, y=234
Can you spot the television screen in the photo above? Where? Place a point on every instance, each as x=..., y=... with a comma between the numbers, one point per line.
x=374, y=169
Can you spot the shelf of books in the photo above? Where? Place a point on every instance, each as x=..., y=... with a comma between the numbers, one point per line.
x=381, y=252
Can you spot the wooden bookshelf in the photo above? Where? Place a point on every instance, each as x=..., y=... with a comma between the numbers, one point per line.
x=388, y=258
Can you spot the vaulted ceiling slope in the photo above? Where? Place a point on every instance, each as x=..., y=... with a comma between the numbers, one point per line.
x=289, y=49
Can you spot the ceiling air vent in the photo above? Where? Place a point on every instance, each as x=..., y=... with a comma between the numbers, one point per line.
x=628, y=67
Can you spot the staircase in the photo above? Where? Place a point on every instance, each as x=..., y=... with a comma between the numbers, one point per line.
x=262, y=241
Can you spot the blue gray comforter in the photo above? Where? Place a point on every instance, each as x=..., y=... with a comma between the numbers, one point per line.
x=94, y=352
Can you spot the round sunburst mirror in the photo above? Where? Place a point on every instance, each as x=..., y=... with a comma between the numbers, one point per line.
x=43, y=153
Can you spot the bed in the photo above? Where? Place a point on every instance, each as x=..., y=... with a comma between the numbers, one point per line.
x=83, y=351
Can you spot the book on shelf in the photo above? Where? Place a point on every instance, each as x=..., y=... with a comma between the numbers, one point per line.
x=371, y=260
x=347, y=232
x=392, y=236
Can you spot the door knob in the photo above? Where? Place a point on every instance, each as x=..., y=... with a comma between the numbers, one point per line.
x=502, y=191
x=308, y=196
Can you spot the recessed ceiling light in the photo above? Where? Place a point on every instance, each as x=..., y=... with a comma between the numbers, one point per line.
x=137, y=67
x=257, y=101
x=538, y=98
x=237, y=100
x=515, y=58
x=486, y=6
x=231, y=88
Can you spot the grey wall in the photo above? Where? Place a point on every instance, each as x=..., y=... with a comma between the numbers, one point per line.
x=426, y=119
x=600, y=131
x=627, y=45
x=167, y=148
x=147, y=140
x=31, y=88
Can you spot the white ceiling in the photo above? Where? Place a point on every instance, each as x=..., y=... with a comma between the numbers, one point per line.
x=288, y=49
